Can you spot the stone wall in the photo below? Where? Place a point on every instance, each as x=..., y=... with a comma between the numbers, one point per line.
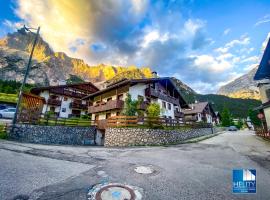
x=53, y=134
x=136, y=136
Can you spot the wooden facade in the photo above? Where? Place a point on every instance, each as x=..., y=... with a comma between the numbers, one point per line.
x=30, y=108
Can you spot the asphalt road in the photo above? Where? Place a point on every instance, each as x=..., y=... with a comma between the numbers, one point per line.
x=189, y=171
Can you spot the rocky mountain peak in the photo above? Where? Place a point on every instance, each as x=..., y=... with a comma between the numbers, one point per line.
x=243, y=87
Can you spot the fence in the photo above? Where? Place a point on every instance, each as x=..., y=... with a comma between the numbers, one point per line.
x=133, y=121
x=263, y=133
x=57, y=121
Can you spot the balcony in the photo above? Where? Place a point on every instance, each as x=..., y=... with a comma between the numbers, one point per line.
x=151, y=92
x=54, y=102
x=178, y=114
x=142, y=106
x=104, y=106
x=80, y=106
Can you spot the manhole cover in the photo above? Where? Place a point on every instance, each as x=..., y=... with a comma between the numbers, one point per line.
x=114, y=191
x=144, y=170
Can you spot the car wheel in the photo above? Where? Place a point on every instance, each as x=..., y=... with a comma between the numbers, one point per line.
x=1, y=116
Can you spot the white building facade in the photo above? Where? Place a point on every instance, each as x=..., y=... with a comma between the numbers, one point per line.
x=110, y=101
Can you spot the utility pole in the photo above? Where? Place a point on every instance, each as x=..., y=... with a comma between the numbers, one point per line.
x=23, y=31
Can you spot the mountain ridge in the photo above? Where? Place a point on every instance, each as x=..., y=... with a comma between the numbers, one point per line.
x=243, y=87
x=48, y=66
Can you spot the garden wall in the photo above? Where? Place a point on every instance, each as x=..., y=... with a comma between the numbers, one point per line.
x=137, y=136
x=53, y=134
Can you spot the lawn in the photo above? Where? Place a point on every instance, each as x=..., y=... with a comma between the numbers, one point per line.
x=8, y=98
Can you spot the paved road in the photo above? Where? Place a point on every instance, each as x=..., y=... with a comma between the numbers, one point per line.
x=190, y=171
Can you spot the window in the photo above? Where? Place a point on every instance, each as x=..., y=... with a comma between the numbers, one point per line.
x=109, y=99
x=65, y=98
x=52, y=109
x=64, y=109
x=108, y=115
x=163, y=104
x=120, y=97
x=140, y=98
x=169, y=106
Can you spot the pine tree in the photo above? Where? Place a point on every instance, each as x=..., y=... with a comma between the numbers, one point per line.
x=226, y=117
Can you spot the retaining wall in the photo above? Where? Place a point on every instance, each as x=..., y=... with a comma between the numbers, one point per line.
x=53, y=134
x=136, y=136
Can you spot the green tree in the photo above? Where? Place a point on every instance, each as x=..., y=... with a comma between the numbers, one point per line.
x=131, y=106
x=153, y=110
x=226, y=117
x=240, y=124
x=73, y=79
x=253, y=117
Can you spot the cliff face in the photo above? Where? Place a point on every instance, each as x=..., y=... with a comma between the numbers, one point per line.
x=48, y=67
x=243, y=87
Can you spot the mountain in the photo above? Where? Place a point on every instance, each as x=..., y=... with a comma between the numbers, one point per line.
x=49, y=67
x=243, y=87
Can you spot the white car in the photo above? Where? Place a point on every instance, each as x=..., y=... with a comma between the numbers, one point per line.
x=7, y=113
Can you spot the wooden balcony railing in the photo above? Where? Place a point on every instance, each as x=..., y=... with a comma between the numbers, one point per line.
x=62, y=91
x=154, y=93
x=78, y=106
x=110, y=105
x=143, y=106
x=178, y=114
x=54, y=102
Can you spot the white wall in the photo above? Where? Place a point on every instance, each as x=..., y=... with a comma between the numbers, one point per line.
x=65, y=104
x=138, y=89
x=166, y=112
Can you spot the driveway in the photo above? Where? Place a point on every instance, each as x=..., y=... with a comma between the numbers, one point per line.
x=189, y=171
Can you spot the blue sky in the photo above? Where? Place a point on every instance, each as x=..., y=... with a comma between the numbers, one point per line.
x=203, y=43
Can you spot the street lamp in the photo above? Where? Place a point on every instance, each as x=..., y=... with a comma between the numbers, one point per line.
x=24, y=31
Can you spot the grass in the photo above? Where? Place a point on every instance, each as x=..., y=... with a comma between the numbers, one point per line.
x=9, y=98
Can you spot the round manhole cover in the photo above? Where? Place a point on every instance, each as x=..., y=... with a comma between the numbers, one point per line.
x=114, y=191
x=144, y=170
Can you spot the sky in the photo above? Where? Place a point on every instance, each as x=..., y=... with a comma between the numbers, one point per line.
x=204, y=43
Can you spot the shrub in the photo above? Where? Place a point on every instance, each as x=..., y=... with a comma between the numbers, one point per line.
x=131, y=106
x=153, y=111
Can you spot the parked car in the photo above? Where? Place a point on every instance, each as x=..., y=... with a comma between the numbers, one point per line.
x=7, y=113
x=232, y=128
x=2, y=107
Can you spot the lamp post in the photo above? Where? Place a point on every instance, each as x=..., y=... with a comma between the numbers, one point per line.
x=23, y=31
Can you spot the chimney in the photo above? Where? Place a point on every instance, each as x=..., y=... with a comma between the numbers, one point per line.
x=62, y=82
x=154, y=74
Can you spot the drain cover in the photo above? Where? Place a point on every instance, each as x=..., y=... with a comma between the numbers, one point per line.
x=144, y=170
x=114, y=191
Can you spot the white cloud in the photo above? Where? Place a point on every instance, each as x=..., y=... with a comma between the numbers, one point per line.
x=208, y=62
x=243, y=41
x=250, y=59
x=227, y=31
x=263, y=20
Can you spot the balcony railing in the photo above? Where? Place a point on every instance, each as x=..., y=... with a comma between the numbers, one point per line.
x=62, y=91
x=78, y=106
x=54, y=102
x=178, y=114
x=143, y=106
x=110, y=105
x=154, y=93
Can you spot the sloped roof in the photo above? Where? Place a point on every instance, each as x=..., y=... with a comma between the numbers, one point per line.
x=197, y=108
x=263, y=71
x=135, y=81
x=83, y=86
